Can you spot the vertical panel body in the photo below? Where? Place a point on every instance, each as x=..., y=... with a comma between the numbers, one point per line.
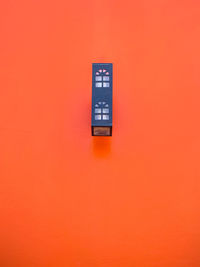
x=102, y=87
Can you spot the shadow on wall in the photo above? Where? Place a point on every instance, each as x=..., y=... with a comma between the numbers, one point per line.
x=101, y=146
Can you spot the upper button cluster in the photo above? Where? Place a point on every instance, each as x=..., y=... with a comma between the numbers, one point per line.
x=102, y=75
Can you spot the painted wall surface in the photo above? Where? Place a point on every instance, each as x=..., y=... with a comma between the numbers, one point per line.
x=67, y=199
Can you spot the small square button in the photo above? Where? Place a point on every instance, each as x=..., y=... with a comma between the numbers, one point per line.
x=106, y=84
x=98, y=78
x=97, y=117
x=98, y=84
x=105, y=117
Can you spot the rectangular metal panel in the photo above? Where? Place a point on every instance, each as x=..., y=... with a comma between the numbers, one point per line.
x=102, y=87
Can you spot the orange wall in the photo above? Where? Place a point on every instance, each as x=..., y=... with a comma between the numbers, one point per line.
x=67, y=199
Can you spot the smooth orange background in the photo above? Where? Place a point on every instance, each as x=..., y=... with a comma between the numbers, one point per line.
x=67, y=199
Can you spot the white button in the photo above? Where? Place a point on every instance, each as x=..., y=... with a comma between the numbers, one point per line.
x=105, y=117
x=98, y=84
x=98, y=78
x=106, y=84
x=106, y=78
x=105, y=110
x=97, y=110
x=97, y=117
